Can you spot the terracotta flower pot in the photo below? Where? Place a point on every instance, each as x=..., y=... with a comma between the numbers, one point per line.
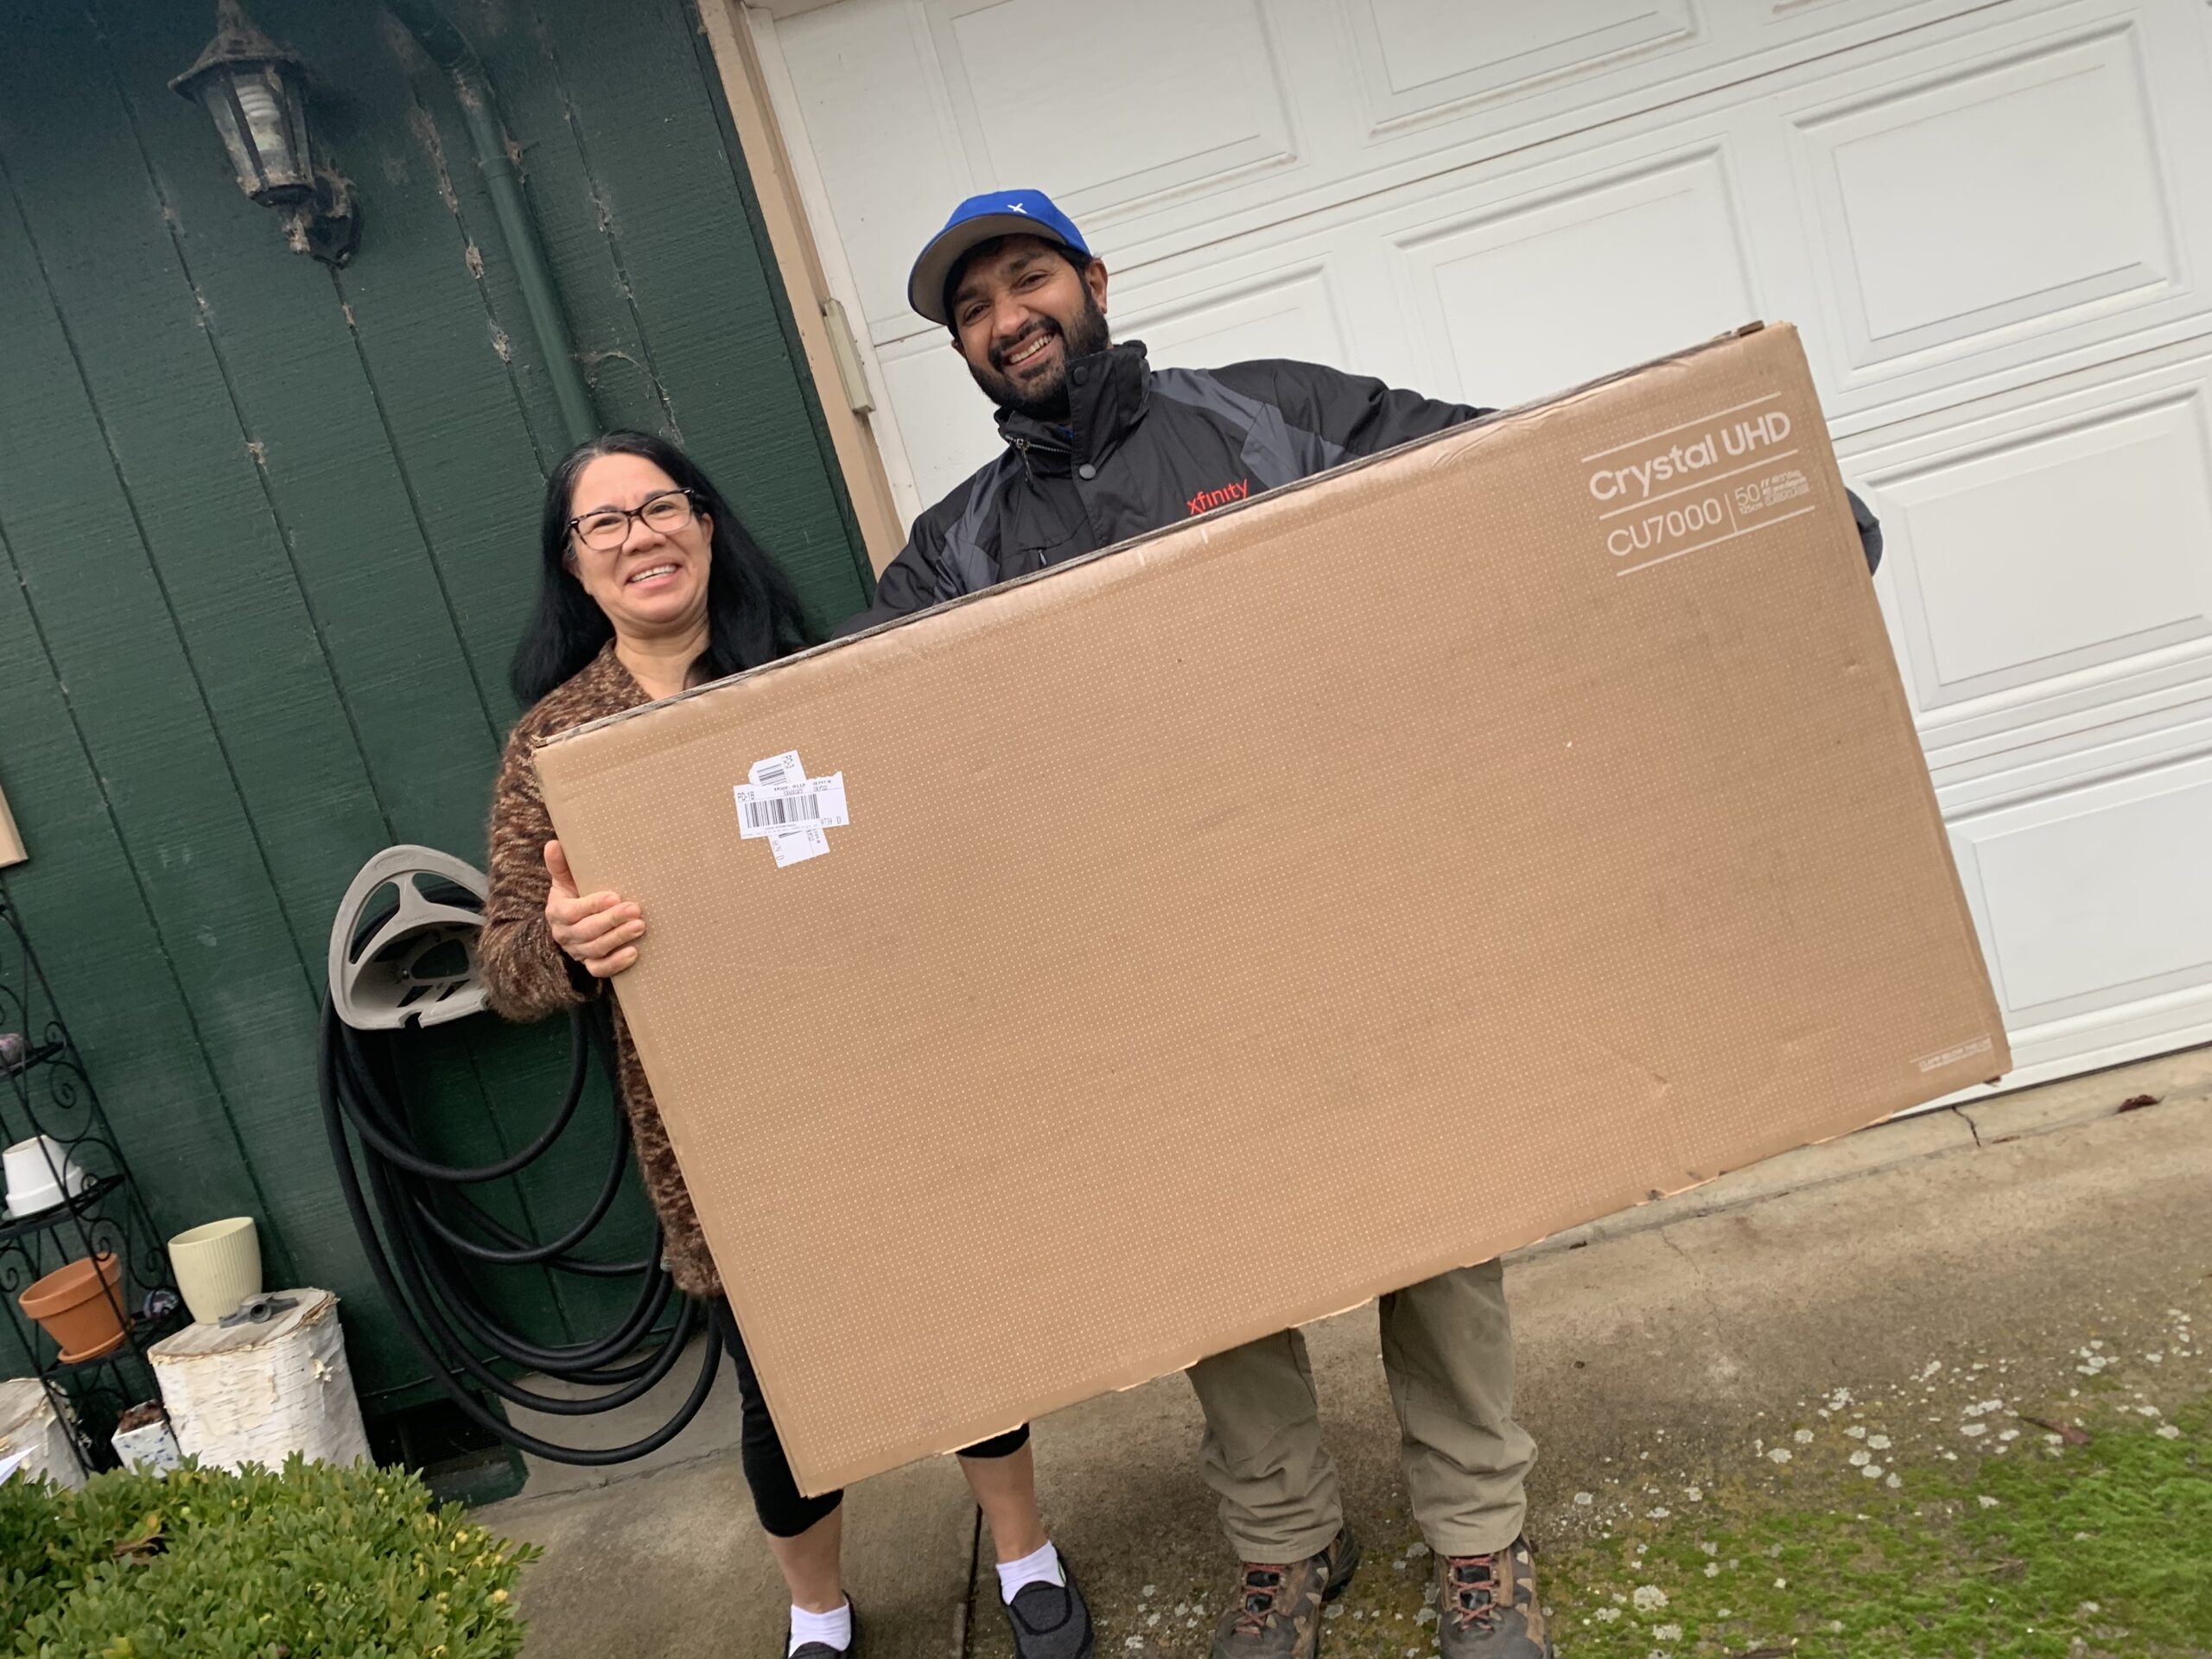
x=77, y=1306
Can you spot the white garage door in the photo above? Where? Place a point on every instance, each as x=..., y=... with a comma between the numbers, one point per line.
x=1994, y=223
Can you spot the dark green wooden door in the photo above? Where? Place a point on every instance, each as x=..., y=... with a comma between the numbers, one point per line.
x=268, y=533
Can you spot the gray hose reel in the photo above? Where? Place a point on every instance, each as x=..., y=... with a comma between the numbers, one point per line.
x=403, y=949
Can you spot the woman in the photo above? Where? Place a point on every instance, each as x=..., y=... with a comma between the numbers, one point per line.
x=650, y=585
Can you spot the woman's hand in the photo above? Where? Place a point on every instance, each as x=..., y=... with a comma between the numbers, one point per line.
x=599, y=931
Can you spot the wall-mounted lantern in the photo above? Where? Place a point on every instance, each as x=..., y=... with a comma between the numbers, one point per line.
x=254, y=91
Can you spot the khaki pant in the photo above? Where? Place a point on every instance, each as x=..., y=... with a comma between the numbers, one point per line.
x=1447, y=1349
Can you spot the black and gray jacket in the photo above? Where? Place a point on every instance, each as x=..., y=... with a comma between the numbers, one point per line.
x=1146, y=447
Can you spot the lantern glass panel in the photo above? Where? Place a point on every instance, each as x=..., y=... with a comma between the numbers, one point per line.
x=277, y=134
x=215, y=98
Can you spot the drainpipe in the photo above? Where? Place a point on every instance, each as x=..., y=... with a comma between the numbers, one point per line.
x=450, y=49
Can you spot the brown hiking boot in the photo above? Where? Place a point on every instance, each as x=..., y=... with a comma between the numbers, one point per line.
x=1486, y=1605
x=1277, y=1613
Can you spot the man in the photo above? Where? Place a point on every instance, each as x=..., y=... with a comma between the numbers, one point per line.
x=1101, y=446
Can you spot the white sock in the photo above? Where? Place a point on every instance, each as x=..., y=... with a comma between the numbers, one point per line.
x=1040, y=1567
x=835, y=1628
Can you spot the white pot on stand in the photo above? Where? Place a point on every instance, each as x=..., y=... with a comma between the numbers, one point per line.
x=39, y=1175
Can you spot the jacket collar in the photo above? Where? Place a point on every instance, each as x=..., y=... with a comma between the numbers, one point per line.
x=1107, y=395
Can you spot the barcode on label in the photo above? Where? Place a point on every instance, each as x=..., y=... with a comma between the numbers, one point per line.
x=781, y=812
x=792, y=809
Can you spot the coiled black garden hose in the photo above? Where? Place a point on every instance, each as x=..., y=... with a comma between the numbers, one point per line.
x=416, y=1227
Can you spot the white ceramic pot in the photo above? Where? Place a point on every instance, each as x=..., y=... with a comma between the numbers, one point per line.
x=30, y=1168
x=217, y=1266
x=149, y=1447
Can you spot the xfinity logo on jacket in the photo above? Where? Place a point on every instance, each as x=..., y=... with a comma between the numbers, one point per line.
x=1206, y=499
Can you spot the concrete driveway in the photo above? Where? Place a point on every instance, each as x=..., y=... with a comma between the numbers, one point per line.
x=1674, y=1338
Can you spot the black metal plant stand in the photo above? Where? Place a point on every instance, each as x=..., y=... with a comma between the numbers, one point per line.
x=44, y=1092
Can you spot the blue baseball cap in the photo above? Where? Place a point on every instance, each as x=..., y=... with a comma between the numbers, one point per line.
x=982, y=219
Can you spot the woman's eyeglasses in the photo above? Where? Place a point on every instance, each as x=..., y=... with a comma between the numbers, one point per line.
x=606, y=529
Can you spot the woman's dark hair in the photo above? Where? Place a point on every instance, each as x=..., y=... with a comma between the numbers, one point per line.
x=753, y=614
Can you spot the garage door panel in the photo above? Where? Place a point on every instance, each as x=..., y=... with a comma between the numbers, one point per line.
x=2032, y=762
x=1794, y=15
x=1492, y=77
x=1992, y=197
x=985, y=94
x=2065, y=1048
x=1100, y=71
x=2096, y=899
x=1422, y=58
x=2163, y=683
x=1525, y=296
x=1159, y=122
x=946, y=421
x=1294, y=315
x=2058, y=553
x=2052, y=556
x=860, y=70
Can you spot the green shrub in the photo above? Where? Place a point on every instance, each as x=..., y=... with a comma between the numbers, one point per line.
x=30, y=1527
x=353, y=1563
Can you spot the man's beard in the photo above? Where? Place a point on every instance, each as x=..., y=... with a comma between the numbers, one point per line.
x=1047, y=402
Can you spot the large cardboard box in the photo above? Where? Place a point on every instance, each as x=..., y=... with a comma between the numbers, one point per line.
x=1285, y=907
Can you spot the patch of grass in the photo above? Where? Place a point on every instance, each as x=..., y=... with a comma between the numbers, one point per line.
x=2092, y=1552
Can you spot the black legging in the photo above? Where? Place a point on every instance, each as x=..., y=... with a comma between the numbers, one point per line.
x=784, y=1513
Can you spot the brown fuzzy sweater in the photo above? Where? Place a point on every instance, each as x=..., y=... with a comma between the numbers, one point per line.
x=529, y=976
